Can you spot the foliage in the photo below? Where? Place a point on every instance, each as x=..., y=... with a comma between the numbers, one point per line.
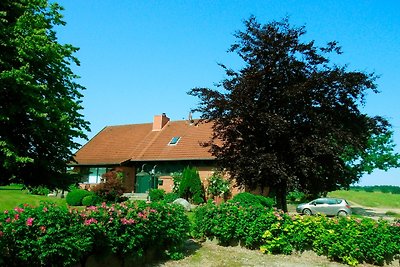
x=91, y=200
x=296, y=196
x=156, y=194
x=39, y=190
x=177, y=178
x=218, y=186
x=287, y=119
x=40, y=101
x=46, y=235
x=191, y=187
x=342, y=239
x=75, y=197
x=247, y=199
x=52, y=236
x=170, y=197
x=112, y=188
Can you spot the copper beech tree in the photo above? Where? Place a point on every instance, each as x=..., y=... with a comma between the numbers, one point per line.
x=290, y=118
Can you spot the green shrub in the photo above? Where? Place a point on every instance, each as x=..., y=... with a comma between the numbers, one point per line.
x=54, y=236
x=191, y=187
x=112, y=189
x=91, y=200
x=156, y=194
x=75, y=197
x=247, y=199
x=296, y=196
x=39, y=190
x=43, y=236
x=171, y=197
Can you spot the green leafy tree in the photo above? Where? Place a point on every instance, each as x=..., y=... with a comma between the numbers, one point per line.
x=39, y=97
x=287, y=118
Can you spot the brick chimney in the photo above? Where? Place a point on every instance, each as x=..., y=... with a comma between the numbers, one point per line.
x=159, y=122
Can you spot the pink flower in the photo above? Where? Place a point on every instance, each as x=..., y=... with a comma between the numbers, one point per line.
x=104, y=205
x=92, y=208
x=90, y=221
x=8, y=220
x=1, y=233
x=6, y=212
x=45, y=209
x=125, y=221
x=42, y=228
x=18, y=209
x=16, y=217
x=29, y=221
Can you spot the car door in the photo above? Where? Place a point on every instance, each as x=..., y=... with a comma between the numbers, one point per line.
x=320, y=206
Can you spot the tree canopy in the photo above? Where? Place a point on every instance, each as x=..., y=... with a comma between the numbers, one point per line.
x=40, y=100
x=288, y=118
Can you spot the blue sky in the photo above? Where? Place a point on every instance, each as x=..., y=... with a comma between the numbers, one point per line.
x=139, y=58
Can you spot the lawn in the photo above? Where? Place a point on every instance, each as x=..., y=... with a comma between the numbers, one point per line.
x=13, y=195
x=369, y=199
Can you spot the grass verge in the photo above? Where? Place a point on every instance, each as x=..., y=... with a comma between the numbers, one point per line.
x=369, y=199
x=13, y=195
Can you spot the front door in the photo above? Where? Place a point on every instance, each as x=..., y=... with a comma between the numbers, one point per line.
x=143, y=182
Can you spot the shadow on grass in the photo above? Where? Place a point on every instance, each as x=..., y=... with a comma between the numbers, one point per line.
x=367, y=212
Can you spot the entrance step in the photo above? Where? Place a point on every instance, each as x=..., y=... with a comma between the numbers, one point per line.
x=137, y=196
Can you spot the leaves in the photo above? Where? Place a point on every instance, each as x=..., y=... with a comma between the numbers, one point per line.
x=286, y=118
x=39, y=97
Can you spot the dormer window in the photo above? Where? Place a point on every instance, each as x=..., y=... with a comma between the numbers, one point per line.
x=174, y=140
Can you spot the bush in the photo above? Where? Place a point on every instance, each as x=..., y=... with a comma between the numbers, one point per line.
x=53, y=236
x=75, y=197
x=247, y=199
x=112, y=189
x=156, y=194
x=91, y=200
x=342, y=239
x=191, y=187
x=218, y=186
x=170, y=197
x=39, y=190
x=296, y=196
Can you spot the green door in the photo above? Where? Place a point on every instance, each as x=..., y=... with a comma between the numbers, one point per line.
x=143, y=182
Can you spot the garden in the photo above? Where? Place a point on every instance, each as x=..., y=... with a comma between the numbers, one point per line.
x=133, y=233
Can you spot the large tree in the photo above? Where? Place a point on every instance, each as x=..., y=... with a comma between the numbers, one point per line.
x=288, y=118
x=39, y=97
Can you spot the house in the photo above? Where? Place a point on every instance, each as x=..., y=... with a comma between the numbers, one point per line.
x=145, y=151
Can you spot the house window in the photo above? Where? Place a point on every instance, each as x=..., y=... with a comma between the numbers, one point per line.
x=95, y=174
x=174, y=140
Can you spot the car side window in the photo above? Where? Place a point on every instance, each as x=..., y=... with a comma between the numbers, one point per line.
x=333, y=201
x=320, y=202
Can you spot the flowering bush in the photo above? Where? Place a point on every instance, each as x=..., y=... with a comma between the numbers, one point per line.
x=218, y=186
x=348, y=240
x=50, y=235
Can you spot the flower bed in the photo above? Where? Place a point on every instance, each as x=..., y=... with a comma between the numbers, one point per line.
x=347, y=240
x=52, y=235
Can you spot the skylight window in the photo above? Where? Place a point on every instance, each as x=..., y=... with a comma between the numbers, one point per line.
x=174, y=140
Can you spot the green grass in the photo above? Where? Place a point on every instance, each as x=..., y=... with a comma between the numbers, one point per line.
x=369, y=199
x=13, y=195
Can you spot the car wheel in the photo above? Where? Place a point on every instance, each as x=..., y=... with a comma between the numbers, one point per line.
x=342, y=213
x=307, y=212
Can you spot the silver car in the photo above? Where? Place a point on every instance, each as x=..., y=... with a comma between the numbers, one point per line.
x=327, y=206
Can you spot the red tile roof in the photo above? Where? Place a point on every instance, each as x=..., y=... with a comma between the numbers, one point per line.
x=138, y=142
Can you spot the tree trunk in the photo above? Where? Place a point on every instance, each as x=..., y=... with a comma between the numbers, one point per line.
x=281, y=193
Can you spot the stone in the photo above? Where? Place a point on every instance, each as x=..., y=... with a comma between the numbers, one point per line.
x=184, y=203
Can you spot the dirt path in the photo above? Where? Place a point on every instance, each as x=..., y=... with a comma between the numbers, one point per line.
x=209, y=254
